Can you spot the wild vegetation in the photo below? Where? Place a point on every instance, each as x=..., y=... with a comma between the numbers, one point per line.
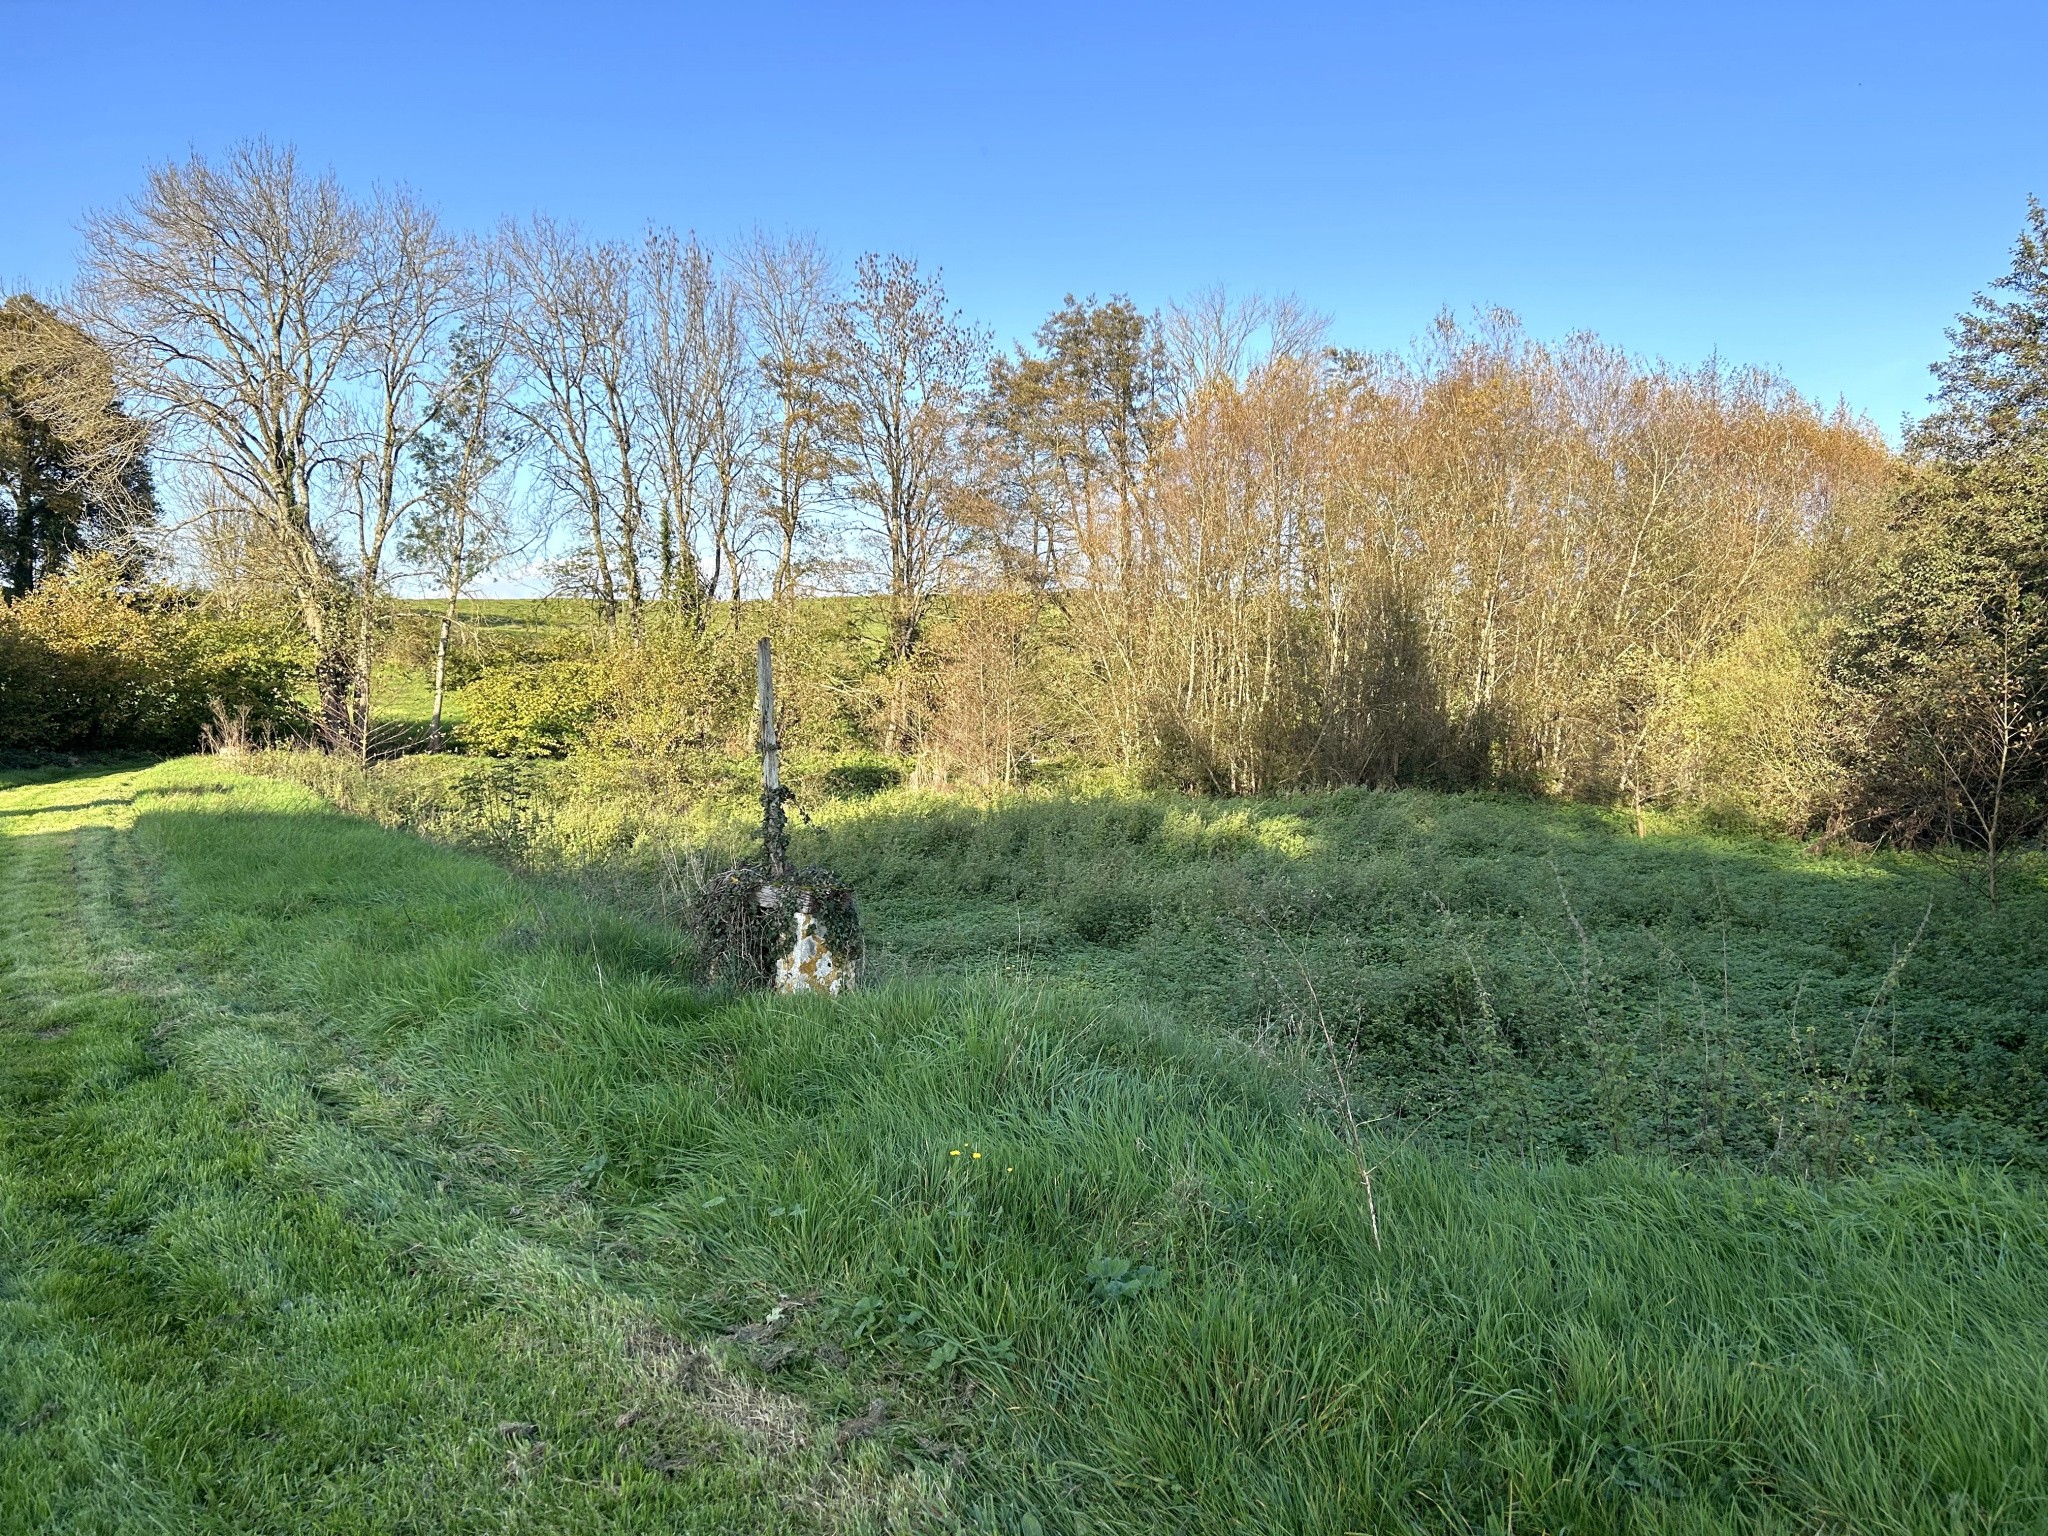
x=89, y=665
x=354, y=1183
x=1493, y=977
x=1455, y=933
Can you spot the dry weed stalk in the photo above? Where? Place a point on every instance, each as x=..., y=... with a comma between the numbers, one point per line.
x=1340, y=1085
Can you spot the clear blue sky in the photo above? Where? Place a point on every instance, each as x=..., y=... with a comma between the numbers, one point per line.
x=1817, y=187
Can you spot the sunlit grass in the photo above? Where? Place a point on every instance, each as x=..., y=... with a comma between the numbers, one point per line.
x=498, y=1157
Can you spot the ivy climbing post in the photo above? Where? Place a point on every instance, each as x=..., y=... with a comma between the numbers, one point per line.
x=774, y=798
x=772, y=924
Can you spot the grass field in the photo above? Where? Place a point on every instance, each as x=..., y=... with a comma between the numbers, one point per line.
x=1500, y=975
x=403, y=686
x=354, y=1183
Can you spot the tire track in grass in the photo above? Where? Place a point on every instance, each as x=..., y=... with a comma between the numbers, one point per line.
x=222, y=1309
x=63, y=1034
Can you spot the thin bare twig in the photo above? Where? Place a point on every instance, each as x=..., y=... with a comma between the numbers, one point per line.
x=1353, y=1135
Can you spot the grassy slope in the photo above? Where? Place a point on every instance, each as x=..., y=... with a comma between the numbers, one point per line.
x=327, y=1151
x=403, y=692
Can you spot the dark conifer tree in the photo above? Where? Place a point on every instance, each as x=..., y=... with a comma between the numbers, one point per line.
x=1951, y=648
x=73, y=476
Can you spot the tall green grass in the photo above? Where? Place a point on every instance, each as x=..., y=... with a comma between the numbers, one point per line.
x=1501, y=976
x=1155, y=1302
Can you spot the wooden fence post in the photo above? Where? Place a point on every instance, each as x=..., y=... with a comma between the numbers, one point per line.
x=774, y=819
x=777, y=926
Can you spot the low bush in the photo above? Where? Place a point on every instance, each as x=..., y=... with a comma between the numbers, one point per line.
x=531, y=709
x=88, y=664
x=858, y=780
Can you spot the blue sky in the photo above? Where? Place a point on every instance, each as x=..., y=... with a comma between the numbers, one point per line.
x=1815, y=187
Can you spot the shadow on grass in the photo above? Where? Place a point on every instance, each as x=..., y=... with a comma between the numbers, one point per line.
x=55, y=810
x=1613, y=1347
x=1514, y=975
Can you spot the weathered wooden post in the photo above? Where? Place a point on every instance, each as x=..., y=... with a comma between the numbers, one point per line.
x=796, y=930
x=774, y=819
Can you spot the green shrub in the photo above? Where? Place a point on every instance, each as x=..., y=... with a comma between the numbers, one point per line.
x=536, y=709
x=1107, y=914
x=858, y=780
x=88, y=665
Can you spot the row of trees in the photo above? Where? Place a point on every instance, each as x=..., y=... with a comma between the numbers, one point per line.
x=1486, y=559
x=1204, y=544
x=336, y=379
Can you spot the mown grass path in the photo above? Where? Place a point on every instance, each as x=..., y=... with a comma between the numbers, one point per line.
x=221, y=1309
x=352, y=1184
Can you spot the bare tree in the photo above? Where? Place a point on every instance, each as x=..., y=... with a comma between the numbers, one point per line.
x=572, y=328
x=704, y=403
x=675, y=300
x=1983, y=725
x=732, y=405
x=904, y=373
x=233, y=298
x=465, y=520
x=420, y=285
x=789, y=303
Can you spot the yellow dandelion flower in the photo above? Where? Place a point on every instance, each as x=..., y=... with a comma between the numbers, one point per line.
x=956, y=1152
x=977, y=1154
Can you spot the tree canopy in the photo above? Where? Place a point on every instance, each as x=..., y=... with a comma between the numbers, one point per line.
x=73, y=476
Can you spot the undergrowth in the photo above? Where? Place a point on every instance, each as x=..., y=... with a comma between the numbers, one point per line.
x=1498, y=975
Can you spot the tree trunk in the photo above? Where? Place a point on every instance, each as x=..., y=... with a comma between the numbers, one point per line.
x=441, y=672
x=785, y=568
x=333, y=672
x=334, y=680
x=23, y=576
x=668, y=554
x=364, y=637
x=607, y=593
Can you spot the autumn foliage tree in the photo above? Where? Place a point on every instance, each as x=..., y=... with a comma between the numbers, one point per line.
x=1486, y=560
x=74, y=471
